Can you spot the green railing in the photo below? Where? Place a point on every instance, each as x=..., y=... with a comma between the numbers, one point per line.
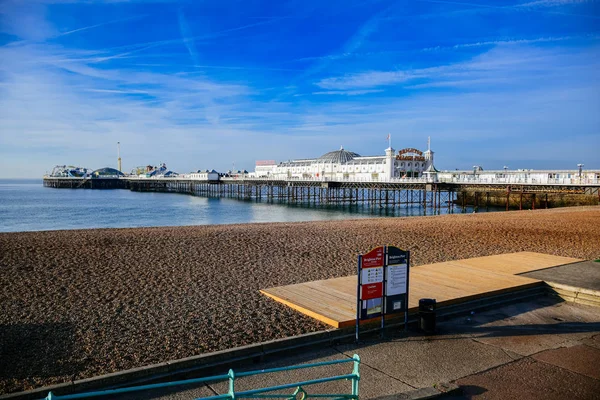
x=299, y=392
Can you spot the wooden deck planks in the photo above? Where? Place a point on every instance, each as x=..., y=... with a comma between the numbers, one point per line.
x=333, y=301
x=517, y=263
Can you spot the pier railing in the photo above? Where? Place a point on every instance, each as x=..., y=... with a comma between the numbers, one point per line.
x=510, y=180
x=327, y=179
x=513, y=180
x=300, y=390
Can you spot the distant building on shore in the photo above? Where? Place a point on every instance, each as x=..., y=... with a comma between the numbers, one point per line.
x=346, y=165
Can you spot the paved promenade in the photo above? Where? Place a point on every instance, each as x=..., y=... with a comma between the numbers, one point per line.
x=542, y=349
x=585, y=275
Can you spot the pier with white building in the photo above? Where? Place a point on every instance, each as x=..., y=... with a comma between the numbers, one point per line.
x=403, y=178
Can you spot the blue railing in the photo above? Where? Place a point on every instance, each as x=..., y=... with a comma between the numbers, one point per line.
x=299, y=392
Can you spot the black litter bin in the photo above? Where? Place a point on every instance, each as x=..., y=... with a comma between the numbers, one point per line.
x=427, y=315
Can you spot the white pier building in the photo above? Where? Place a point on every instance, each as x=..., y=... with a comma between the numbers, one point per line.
x=340, y=165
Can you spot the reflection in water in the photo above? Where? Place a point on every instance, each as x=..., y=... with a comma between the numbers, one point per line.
x=28, y=206
x=269, y=211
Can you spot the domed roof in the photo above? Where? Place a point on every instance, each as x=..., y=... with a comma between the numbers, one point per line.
x=340, y=156
x=107, y=171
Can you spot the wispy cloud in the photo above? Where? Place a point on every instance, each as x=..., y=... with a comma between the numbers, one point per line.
x=186, y=35
x=38, y=97
x=537, y=3
x=367, y=79
x=205, y=37
x=25, y=20
x=556, y=7
x=348, y=92
x=350, y=46
x=85, y=28
x=119, y=91
x=541, y=7
x=501, y=64
x=553, y=3
x=513, y=41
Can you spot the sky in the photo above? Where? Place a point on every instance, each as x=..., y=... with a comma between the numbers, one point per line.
x=221, y=84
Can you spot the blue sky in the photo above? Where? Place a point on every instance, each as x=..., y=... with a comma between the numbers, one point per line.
x=205, y=84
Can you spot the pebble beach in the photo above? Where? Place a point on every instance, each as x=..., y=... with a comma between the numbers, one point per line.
x=80, y=303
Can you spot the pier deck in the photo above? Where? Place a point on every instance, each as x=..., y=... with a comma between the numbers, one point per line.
x=333, y=301
x=431, y=194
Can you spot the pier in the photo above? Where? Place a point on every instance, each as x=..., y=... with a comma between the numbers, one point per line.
x=397, y=192
x=85, y=183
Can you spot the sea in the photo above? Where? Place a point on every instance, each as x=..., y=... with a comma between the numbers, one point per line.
x=26, y=205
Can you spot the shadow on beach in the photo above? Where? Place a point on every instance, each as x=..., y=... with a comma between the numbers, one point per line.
x=37, y=350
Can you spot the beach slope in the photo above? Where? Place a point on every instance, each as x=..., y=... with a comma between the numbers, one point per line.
x=80, y=303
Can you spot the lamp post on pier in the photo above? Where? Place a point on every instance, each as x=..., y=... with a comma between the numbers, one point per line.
x=580, y=166
x=475, y=168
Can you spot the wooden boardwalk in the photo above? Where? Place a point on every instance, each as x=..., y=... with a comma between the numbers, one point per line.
x=333, y=301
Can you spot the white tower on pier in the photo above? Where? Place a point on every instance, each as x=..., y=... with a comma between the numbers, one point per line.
x=430, y=171
x=428, y=154
x=390, y=163
x=119, y=156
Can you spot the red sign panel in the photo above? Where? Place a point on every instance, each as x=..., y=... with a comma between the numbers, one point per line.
x=265, y=162
x=371, y=291
x=374, y=258
x=410, y=150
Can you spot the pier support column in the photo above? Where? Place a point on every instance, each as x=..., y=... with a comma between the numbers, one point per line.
x=521, y=201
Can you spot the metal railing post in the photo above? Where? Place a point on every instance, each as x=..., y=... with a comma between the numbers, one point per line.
x=231, y=392
x=356, y=373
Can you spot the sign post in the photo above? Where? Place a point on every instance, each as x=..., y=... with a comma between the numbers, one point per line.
x=382, y=284
x=396, y=288
x=370, y=286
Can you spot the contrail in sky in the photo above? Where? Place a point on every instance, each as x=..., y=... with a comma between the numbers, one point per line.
x=187, y=37
x=85, y=28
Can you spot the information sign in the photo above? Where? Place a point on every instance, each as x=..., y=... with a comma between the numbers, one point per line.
x=372, y=275
x=396, y=256
x=374, y=258
x=370, y=283
x=397, y=278
x=371, y=291
x=396, y=285
x=383, y=278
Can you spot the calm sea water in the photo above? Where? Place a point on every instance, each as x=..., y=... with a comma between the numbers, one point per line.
x=26, y=205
